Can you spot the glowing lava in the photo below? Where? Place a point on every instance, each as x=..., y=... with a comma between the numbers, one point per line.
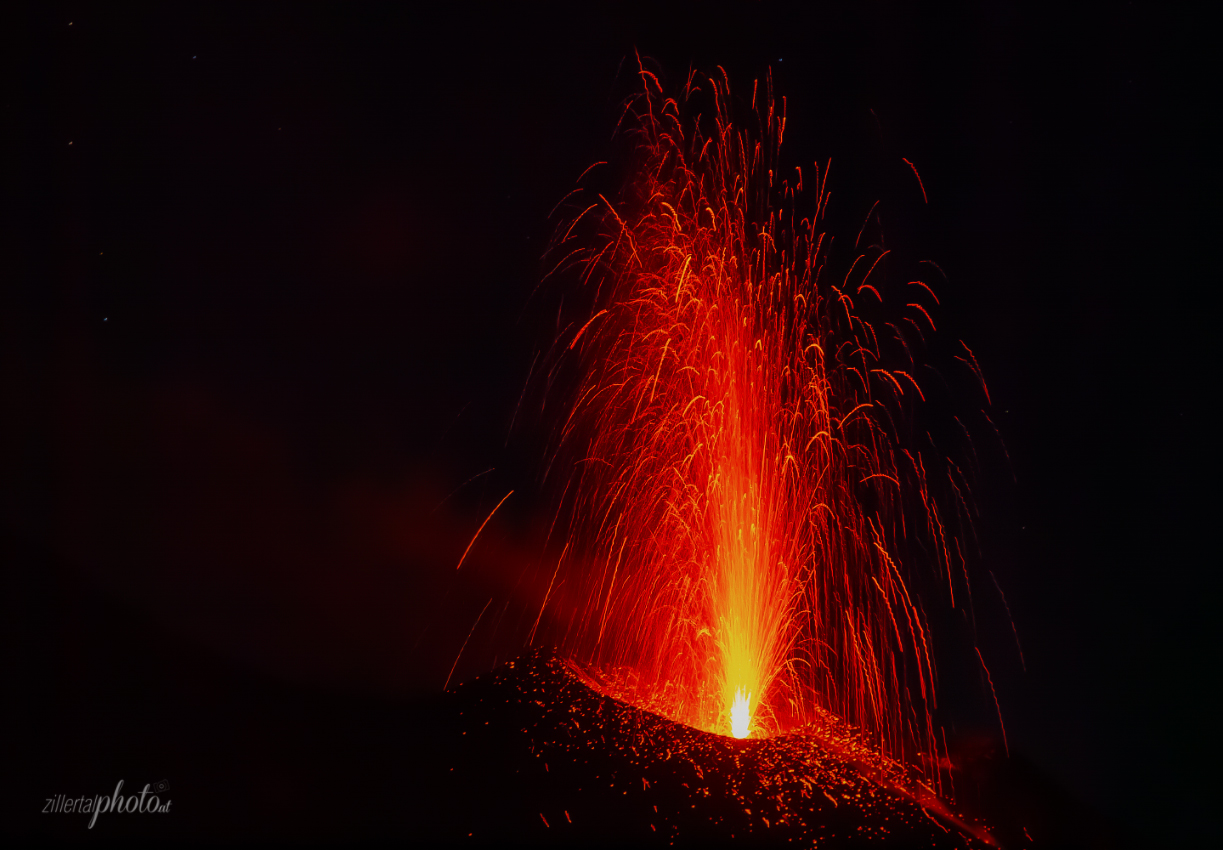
x=741, y=497
x=741, y=714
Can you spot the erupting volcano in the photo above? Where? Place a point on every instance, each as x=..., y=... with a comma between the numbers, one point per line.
x=748, y=520
x=743, y=491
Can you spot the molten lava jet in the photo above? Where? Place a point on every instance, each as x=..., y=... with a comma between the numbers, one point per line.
x=744, y=505
x=735, y=417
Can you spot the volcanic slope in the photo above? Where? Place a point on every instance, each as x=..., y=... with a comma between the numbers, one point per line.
x=540, y=756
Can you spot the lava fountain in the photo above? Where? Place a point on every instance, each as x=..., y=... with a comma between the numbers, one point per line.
x=740, y=500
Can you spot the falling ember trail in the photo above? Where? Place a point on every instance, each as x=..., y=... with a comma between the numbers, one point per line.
x=743, y=510
x=993, y=691
x=481, y=528
x=464, y=646
x=920, y=184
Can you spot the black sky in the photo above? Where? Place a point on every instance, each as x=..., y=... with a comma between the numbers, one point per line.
x=267, y=303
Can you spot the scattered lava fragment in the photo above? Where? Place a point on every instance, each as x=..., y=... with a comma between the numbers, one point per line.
x=592, y=768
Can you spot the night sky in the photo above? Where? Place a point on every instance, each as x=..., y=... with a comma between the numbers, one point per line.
x=268, y=313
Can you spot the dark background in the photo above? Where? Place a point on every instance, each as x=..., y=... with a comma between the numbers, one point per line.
x=267, y=310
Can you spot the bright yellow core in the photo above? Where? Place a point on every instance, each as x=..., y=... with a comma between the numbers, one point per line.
x=740, y=714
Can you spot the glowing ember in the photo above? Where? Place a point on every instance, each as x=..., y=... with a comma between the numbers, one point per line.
x=741, y=499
